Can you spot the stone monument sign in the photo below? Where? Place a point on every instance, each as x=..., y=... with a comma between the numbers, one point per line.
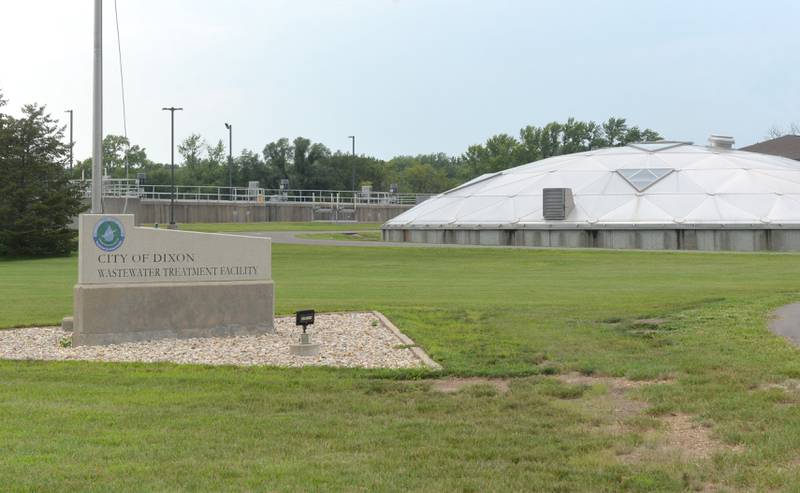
x=139, y=283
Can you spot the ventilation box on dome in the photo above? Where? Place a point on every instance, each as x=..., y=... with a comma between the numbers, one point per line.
x=721, y=142
x=557, y=203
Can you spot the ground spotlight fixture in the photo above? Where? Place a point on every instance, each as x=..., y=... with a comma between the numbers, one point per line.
x=304, y=318
x=304, y=347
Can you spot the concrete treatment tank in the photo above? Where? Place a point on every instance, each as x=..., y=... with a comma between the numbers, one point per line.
x=657, y=195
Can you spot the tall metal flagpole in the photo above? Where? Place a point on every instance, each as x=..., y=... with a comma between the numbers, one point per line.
x=97, y=112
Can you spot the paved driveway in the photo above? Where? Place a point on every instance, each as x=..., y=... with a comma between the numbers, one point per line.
x=786, y=322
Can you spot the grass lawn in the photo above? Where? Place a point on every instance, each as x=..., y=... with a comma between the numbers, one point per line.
x=275, y=226
x=526, y=314
x=356, y=236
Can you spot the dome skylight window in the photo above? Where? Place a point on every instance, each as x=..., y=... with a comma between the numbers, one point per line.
x=661, y=145
x=644, y=178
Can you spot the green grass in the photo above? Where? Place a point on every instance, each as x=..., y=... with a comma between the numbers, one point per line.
x=275, y=226
x=36, y=292
x=499, y=312
x=359, y=236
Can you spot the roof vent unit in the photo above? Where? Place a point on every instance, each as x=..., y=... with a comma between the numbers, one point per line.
x=720, y=142
x=557, y=203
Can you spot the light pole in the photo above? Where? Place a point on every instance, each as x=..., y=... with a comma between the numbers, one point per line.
x=230, y=156
x=172, y=111
x=71, y=142
x=353, y=178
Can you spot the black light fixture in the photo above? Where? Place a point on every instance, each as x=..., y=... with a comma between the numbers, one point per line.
x=304, y=347
x=304, y=318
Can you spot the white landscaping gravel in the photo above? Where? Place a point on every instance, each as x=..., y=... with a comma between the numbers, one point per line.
x=346, y=339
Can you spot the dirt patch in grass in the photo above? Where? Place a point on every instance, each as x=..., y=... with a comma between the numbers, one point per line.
x=791, y=385
x=615, y=384
x=452, y=385
x=785, y=393
x=653, y=322
x=660, y=438
x=693, y=440
x=680, y=436
x=614, y=407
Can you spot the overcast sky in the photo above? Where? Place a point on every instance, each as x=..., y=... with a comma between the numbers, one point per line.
x=407, y=76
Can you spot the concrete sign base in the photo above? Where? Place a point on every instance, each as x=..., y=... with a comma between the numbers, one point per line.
x=137, y=284
x=171, y=310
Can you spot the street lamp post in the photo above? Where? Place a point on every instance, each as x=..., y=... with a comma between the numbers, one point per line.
x=353, y=178
x=172, y=111
x=71, y=142
x=230, y=156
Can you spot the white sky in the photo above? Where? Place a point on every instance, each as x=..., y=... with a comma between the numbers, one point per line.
x=407, y=76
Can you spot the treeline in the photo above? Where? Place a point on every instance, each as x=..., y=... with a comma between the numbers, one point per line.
x=38, y=202
x=312, y=165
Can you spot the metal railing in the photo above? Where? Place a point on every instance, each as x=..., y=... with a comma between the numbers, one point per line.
x=120, y=187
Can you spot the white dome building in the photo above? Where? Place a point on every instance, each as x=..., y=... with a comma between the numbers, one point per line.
x=661, y=195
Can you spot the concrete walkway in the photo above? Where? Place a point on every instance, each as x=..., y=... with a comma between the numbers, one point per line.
x=786, y=322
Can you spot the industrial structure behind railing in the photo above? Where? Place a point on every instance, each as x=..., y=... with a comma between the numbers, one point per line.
x=121, y=187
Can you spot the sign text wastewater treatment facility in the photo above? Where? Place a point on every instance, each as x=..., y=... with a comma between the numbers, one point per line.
x=170, y=265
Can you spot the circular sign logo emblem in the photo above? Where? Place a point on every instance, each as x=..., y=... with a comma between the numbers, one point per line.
x=108, y=234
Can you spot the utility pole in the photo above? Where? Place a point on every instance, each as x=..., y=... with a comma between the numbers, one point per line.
x=172, y=111
x=71, y=142
x=353, y=178
x=97, y=111
x=230, y=157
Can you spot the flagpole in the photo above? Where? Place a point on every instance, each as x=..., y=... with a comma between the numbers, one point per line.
x=97, y=112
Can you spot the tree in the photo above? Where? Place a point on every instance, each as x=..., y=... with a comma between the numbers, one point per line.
x=424, y=178
x=190, y=149
x=37, y=201
x=775, y=131
x=278, y=155
x=203, y=164
x=119, y=156
x=311, y=165
x=497, y=154
x=252, y=168
x=504, y=151
x=305, y=155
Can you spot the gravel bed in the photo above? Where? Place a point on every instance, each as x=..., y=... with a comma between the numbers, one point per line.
x=346, y=339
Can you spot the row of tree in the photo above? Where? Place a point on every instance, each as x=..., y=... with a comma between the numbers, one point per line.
x=312, y=165
x=39, y=200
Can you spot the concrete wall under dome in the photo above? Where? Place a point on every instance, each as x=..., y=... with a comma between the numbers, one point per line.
x=738, y=240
